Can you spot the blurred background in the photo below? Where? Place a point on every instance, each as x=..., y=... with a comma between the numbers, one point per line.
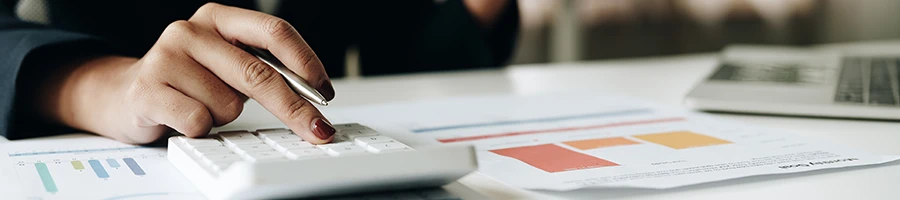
x=571, y=30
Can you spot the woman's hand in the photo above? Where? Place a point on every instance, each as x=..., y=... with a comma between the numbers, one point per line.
x=192, y=79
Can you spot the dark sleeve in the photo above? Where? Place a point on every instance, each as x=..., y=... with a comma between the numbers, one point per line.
x=453, y=38
x=29, y=52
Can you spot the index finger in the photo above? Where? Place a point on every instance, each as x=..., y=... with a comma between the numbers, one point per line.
x=271, y=33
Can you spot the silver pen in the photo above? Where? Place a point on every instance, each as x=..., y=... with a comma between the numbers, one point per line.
x=295, y=82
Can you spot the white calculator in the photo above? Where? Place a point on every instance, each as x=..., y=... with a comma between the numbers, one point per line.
x=276, y=163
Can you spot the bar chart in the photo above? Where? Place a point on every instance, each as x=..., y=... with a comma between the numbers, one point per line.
x=553, y=158
x=96, y=173
x=92, y=166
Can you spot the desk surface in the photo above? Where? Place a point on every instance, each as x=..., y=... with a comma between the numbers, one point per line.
x=665, y=80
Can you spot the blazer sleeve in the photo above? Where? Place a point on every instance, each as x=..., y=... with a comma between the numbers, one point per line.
x=29, y=52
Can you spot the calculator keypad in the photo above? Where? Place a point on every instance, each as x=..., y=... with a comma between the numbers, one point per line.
x=218, y=151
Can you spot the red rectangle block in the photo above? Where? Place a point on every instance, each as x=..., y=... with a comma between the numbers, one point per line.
x=552, y=158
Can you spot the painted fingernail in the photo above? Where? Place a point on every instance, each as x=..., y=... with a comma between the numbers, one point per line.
x=322, y=129
x=326, y=89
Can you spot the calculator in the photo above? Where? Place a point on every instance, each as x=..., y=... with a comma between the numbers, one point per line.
x=276, y=163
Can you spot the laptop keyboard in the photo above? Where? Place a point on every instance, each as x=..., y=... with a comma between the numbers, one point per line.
x=869, y=81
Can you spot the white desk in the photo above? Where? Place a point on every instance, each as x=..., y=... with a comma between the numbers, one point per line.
x=664, y=80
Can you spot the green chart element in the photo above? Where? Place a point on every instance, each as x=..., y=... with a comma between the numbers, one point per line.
x=42, y=170
x=77, y=165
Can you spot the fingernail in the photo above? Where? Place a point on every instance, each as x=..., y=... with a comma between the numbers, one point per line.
x=326, y=89
x=322, y=129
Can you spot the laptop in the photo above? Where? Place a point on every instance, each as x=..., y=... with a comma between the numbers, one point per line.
x=861, y=81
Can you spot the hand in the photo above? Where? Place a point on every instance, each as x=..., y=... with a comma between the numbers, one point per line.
x=194, y=78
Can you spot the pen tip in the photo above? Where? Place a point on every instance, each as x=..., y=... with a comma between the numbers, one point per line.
x=324, y=103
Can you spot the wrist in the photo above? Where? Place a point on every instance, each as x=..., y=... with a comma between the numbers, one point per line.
x=82, y=93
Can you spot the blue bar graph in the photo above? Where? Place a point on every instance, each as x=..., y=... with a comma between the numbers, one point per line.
x=113, y=163
x=135, y=168
x=49, y=184
x=98, y=169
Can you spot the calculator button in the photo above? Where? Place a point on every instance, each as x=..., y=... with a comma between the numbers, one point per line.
x=242, y=142
x=236, y=134
x=211, y=150
x=355, y=133
x=221, y=158
x=263, y=156
x=349, y=126
x=248, y=148
x=268, y=134
x=367, y=140
x=341, y=139
x=272, y=139
x=285, y=145
x=345, y=150
x=274, y=131
x=240, y=138
x=335, y=145
x=305, y=153
x=388, y=147
x=200, y=142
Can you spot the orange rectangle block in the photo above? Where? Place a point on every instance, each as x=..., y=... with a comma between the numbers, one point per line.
x=681, y=139
x=600, y=143
x=552, y=158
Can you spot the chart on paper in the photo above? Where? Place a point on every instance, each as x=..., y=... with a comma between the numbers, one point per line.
x=585, y=141
x=584, y=154
x=104, y=171
x=570, y=141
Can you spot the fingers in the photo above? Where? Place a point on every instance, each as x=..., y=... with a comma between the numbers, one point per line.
x=265, y=31
x=195, y=81
x=169, y=107
x=252, y=77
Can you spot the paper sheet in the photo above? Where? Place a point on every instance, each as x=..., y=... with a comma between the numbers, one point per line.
x=570, y=141
x=89, y=167
x=82, y=166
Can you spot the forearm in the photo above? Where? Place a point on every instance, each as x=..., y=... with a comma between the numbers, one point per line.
x=29, y=55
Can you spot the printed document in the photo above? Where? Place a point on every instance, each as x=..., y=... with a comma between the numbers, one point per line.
x=83, y=166
x=571, y=141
